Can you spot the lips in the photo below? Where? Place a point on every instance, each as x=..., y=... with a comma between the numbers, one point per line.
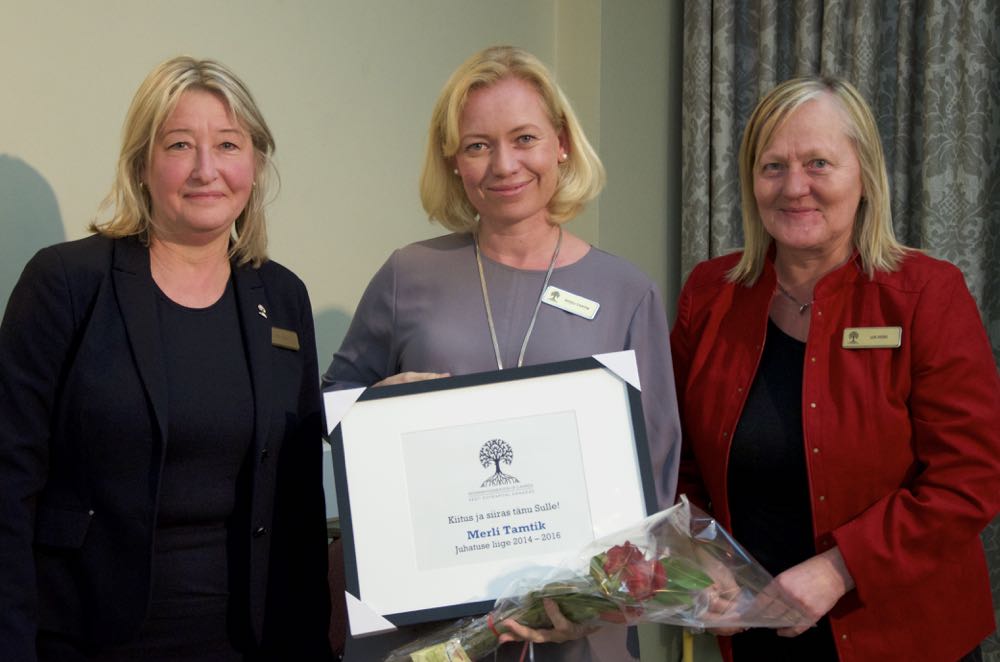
x=508, y=189
x=798, y=212
x=205, y=195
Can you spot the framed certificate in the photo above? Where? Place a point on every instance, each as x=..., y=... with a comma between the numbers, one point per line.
x=449, y=489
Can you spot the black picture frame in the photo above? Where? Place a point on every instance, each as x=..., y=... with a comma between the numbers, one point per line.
x=384, y=572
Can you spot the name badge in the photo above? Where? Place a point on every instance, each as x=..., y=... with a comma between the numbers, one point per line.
x=571, y=303
x=873, y=337
x=285, y=338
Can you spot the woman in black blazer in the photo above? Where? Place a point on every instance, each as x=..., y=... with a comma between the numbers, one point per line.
x=160, y=459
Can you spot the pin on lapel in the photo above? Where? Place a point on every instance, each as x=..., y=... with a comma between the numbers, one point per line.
x=261, y=310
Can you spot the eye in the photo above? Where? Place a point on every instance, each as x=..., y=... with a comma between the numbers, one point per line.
x=228, y=146
x=819, y=163
x=179, y=145
x=475, y=147
x=771, y=168
x=526, y=139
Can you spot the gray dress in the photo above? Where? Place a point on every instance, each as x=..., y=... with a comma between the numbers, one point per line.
x=423, y=311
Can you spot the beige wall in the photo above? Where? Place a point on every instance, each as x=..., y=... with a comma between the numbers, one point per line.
x=347, y=86
x=640, y=137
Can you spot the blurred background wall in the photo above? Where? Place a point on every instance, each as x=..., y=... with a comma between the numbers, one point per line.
x=347, y=87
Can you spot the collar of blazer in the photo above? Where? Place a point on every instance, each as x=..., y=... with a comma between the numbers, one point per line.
x=134, y=289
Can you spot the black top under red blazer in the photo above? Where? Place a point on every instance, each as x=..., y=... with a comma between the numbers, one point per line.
x=83, y=420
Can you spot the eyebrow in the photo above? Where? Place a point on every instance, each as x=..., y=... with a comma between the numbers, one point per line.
x=525, y=127
x=812, y=153
x=517, y=129
x=186, y=130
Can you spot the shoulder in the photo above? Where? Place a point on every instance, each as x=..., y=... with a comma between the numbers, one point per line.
x=426, y=261
x=88, y=254
x=80, y=264
x=627, y=291
x=919, y=271
x=64, y=280
x=711, y=273
x=438, y=250
x=617, y=271
x=706, y=289
x=277, y=273
x=280, y=281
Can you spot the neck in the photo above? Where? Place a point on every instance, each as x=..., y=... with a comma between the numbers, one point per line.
x=798, y=272
x=193, y=276
x=522, y=246
x=190, y=256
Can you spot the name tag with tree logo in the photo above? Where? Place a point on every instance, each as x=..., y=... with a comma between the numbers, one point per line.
x=873, y=337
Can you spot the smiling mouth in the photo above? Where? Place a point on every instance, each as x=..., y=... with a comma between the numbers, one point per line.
x=509, y=189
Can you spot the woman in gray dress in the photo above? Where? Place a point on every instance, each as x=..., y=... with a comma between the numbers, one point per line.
x=507, y=164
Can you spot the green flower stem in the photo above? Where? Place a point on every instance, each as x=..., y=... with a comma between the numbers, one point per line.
x=581, y=600
x=479, y=640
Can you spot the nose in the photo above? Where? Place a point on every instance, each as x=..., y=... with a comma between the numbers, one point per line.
x=796, y=184
x=503, y=161
x=204, y=166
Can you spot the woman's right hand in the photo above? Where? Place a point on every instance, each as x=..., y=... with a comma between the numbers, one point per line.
x=722, y=598
x=562, y=629
x=407, y=377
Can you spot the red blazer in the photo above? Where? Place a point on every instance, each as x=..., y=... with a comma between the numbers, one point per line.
x=902, y=445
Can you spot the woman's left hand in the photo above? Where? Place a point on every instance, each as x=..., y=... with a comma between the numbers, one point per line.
x=815, y=586
x=562, y=628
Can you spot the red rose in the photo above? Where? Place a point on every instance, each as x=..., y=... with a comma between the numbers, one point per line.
x=642, y=578
x=620, y=556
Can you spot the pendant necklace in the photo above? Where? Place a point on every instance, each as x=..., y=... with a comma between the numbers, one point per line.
x=534, y=315
x=803, y=307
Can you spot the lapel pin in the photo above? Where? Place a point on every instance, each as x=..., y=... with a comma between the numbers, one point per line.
x=261, y=310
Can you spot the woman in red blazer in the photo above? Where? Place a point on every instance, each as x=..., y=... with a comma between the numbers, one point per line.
x=160, y=459
x=839, y=400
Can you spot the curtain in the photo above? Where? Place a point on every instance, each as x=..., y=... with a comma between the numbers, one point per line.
x=930, y=69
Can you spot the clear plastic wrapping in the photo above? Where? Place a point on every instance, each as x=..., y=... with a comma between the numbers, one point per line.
x=677, y=567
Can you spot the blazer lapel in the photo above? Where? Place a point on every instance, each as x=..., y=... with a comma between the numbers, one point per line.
x=252, y=303
x=137, y=302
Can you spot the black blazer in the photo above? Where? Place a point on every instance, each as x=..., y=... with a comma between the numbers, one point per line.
x=83, y=420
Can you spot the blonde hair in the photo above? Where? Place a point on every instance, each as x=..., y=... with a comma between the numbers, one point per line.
x=155, y=99
x=873, y=234
x=581, y=176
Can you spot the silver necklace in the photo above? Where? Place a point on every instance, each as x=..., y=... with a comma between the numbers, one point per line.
x=803, y=307
x=534, y=315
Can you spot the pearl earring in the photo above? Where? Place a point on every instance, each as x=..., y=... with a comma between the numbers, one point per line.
x=455, y=171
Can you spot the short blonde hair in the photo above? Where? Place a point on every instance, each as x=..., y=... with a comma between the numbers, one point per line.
x=873, y=234
x=581, y=176
x=155, y=99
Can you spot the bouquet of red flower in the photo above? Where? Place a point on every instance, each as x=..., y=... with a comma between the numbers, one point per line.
x=677, y=567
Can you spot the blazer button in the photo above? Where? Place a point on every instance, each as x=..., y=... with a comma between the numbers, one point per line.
x=260, y=532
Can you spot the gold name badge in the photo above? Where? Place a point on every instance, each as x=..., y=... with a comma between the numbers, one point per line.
x=285, y=338
x=873, y=337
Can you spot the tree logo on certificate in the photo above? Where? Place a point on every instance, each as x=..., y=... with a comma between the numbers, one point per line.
x=494, y=452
